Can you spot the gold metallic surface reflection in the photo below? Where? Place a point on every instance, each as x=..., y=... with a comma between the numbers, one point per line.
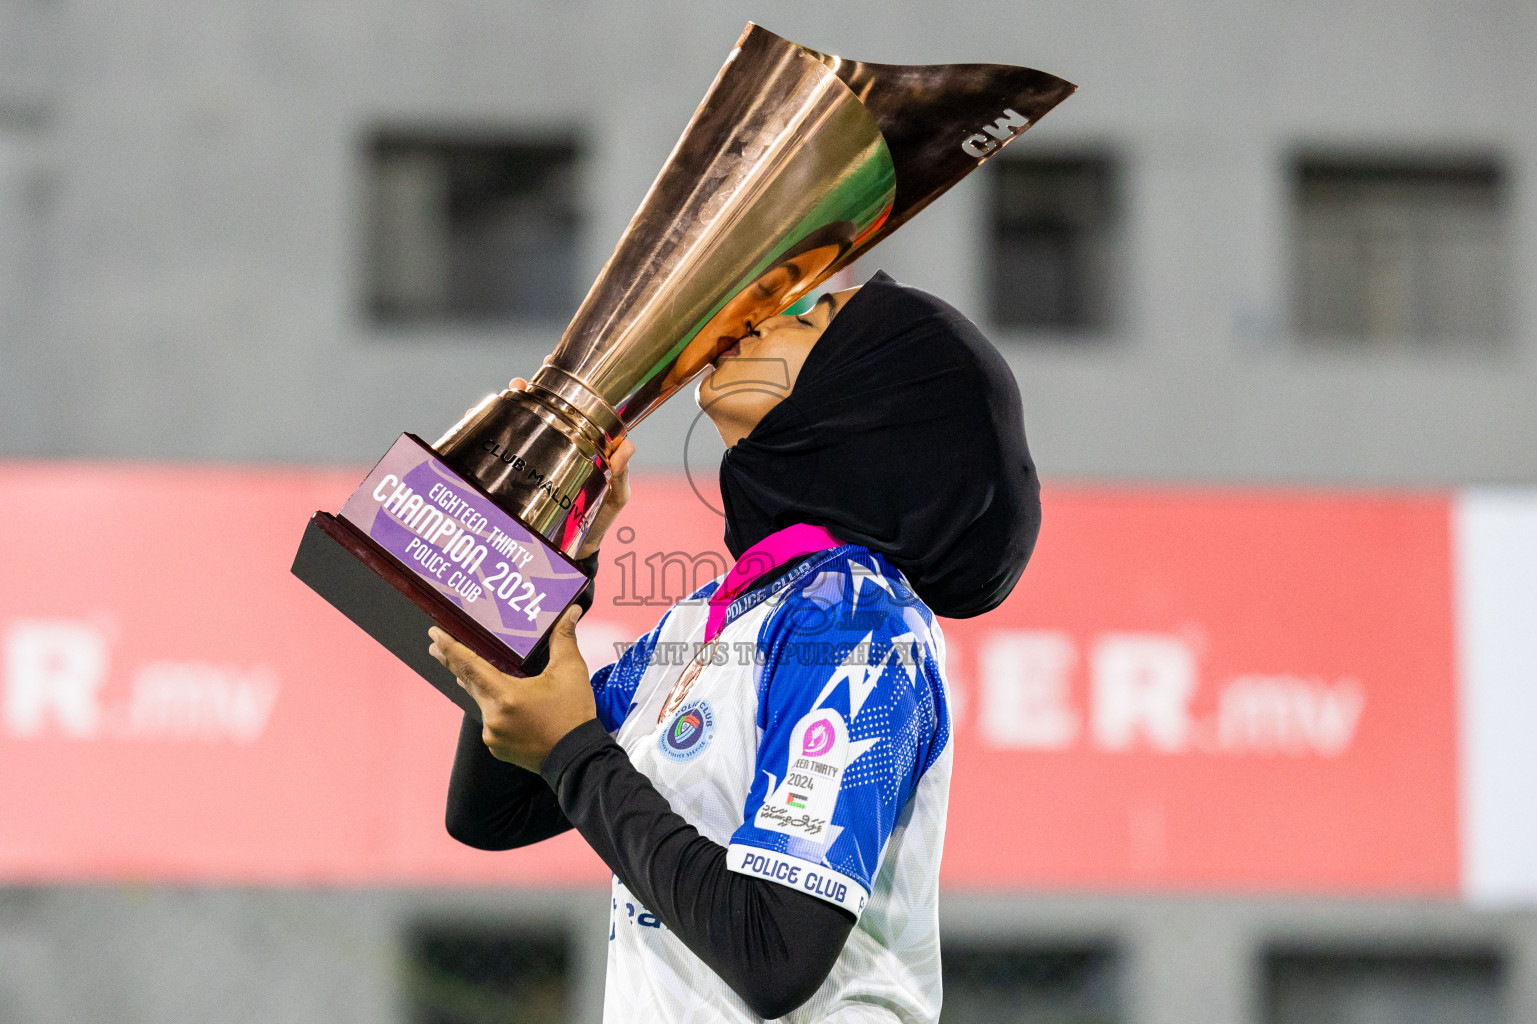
x=794, y=164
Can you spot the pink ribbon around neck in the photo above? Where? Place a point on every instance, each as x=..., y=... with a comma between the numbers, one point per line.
x=769, y=553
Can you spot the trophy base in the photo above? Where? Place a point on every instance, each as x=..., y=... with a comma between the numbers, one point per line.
x=387, y=601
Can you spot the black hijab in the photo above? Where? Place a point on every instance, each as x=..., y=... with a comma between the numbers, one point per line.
x=903, y=433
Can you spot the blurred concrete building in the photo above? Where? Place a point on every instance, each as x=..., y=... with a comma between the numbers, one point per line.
x=1276, y=244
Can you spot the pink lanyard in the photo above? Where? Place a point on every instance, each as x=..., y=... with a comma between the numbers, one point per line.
x=769, y=553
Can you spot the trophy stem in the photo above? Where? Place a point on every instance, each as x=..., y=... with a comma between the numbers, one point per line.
x=538, y=456
x=570, y=395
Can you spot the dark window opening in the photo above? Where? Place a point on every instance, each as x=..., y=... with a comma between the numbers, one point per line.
x=472, y=231
x=1054, y=240
x=1422, y=987
x=1397, y=250
x=461, y=974
x=991, y=983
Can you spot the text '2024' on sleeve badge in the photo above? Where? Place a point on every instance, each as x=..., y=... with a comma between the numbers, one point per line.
x=802, y=805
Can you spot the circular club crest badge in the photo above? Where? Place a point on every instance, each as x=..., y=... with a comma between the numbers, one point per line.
x=689, y=732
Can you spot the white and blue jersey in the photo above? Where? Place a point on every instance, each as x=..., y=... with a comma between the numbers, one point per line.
x=812, y=740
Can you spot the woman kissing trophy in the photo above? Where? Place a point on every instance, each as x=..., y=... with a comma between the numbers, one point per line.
x=795, y=163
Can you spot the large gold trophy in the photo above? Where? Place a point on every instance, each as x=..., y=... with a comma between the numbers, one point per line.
x=795, y=163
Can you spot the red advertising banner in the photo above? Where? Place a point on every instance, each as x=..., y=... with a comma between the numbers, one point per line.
x=1211, y=691
x=1190, y=691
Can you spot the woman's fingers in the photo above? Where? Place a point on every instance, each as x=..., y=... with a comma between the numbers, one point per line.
x=563, y=645
x=442, y=659
x=517, y=384
x=621, y=460
x=617, y=497
x=619, y=480
x=467, y=666
x=523, y=719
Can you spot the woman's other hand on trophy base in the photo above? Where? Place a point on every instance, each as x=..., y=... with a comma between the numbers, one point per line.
x=523, y=718
x=618, y=487
x=614, y=501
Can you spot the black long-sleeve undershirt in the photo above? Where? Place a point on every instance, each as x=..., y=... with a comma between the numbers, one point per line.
x=493, y=805
x=774, y=946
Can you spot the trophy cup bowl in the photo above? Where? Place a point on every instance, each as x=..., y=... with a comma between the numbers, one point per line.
x=794, y=164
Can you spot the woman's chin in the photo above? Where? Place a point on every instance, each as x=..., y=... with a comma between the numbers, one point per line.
x=711, y=399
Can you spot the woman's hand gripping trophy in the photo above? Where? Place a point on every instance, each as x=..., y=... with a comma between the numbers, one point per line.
x=524, y=718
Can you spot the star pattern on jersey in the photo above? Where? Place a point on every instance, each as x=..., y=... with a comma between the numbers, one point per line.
x=858, y=748
x=882, y=672
x=860, y=674
x=908, y=663
x=824, y=589
x=859, y=573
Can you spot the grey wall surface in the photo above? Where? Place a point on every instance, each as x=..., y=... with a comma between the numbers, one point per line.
x=180, y=258
x=196, y=293
x=189, y=956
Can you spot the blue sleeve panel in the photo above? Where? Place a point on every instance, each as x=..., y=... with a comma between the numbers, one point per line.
x=852, y=711
x=613, y=686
